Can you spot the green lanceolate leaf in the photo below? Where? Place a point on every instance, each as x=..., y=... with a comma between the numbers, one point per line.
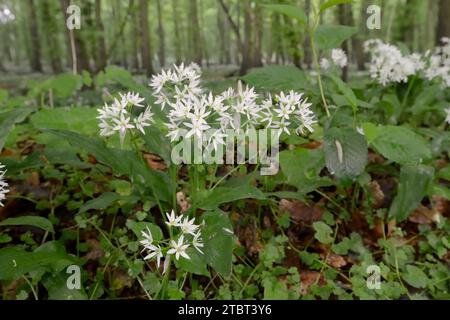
x=302, y=168
x=101, y=202
x=218, y=238
x=413, y=186
x=276, y=78
x=397, y=143
x=122, y=162
x=289, y=10
x=8, y=119
x=220, y=195
x=345, y=152
x=346, y=91
x=332, y=3
x=51, y=256
x=38, y=222
x=331, y=36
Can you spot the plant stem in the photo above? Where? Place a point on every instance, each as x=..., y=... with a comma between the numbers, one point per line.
x=32, y=288
x=317, y=65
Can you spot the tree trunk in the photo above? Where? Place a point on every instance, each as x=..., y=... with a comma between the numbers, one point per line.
x=50, y=29
x=247, y=45
x=134, y=35
x=35, y=57
x=197, y=54
x=177, y=32
x=257, y=50
x=145, y=38
x=343, y=12
x=101, y=46
x=307, y=57
x=443, y=25
x=162, y=44
x=234, y=25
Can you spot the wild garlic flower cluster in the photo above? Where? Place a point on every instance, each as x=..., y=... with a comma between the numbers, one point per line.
x=184, y=234
x=388, y=64
x=195, y=113
x=438, y=63
x=119, y=116
x=3, y=184
x=338, y=59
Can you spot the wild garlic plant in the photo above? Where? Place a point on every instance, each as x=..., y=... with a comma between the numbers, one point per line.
x=3, y=184
x=184, y=234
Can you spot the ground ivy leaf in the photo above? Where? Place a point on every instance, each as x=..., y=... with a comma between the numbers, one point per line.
x=324, y=234
x=415, y=277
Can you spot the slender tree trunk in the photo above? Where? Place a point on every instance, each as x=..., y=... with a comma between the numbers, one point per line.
x=135, y=39
x=257, y=50
x=177, y=32
x=246, y=50
x=101, y=46
x=162, y=41
x=307, y=57
x=197, y=54
x=35, y=61
x=145, y=38
x=235, y=26
x=443, y=25
x=343, y=12
x=50, y=29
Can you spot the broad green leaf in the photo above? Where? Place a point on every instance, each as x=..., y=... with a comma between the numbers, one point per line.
x=100, y=203
x=324, y=233
x=158, y=143
x=346, y=91
x=220, y=195
x=276, y=78
x=289, y=10
x=15, y=261
x=8, y=119
x=138, y=226
x=413, y=186
x=398, y=144
x=219, y=241
x=57, y=289
x=122, y=162
x=196, y=264
x=331, y=3
x=415, y=277
x=302, y=168
x=39, y=222
x=80, y=119
x=331, y=36
x=345, y=152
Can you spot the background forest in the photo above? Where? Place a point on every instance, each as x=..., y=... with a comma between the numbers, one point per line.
x=94, y=204
x=144, y=36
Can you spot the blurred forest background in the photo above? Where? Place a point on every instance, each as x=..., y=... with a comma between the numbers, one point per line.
x=143, y=36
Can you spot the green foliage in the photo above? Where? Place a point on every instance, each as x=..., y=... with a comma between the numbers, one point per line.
x=397, y=143
x=331, y=36
x=219, y=241
x=414, y=184
x=39, y=222
x=345, y=152
x=276, y=78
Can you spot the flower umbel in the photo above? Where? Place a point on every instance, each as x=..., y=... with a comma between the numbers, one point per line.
x=184, y=233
